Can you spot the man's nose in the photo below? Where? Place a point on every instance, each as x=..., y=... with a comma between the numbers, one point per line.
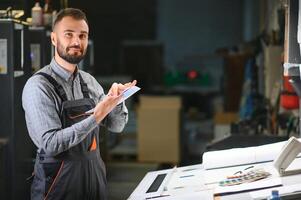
x=76, y=41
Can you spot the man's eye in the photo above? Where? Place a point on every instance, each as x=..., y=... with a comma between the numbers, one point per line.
x=83, y=36
x=68, y=35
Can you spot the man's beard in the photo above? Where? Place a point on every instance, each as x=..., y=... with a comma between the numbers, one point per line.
x=73, y=59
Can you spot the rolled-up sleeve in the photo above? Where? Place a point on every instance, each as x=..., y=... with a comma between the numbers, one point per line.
x=43, y=121
x=117, y=118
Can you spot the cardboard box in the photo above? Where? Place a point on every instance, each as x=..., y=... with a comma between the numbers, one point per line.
x=225, y=117
x=222, y=123
x=158, y=129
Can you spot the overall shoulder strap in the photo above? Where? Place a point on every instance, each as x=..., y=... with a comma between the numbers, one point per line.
x=84, y=86
x=58, y=88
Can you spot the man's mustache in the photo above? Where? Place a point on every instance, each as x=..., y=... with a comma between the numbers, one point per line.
x=75, y=47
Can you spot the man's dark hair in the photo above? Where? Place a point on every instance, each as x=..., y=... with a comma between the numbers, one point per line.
x=75, y=13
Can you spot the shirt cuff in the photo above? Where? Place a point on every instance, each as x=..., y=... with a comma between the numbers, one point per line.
x=120, y=108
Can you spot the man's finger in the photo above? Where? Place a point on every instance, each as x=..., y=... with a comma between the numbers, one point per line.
x=114, y=89
x=130, y=84
x=134, y=82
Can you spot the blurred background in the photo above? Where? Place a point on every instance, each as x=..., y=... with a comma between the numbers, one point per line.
x=210, y=71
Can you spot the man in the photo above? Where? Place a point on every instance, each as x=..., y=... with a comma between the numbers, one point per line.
x=64, y=107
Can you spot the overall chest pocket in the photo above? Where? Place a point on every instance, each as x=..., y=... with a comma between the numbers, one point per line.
x=75, y=111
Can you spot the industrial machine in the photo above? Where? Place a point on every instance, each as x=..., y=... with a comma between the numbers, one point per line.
x=17, y=151
x=292, y=54
x=41, y=50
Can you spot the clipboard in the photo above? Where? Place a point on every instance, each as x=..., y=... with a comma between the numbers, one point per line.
x=128, y=93
x=125, y=95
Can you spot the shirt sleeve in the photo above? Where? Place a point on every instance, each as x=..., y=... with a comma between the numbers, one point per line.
x=43, y=121
x=117, y=118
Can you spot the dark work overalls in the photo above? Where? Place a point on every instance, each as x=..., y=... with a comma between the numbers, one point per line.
x=78, y=173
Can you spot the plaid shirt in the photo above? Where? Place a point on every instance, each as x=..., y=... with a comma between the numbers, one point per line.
x=42, y=108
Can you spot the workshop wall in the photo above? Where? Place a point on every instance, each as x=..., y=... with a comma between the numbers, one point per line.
x=112, y=22
x=194, y=26
x=184, y=27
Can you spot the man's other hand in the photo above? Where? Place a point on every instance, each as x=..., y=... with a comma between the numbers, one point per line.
x=117, y=88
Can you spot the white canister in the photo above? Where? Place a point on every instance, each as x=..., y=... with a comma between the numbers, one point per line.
x=37, y=15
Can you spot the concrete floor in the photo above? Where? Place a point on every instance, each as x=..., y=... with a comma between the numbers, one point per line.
x=123, y=177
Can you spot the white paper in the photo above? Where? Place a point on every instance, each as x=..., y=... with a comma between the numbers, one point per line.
x=242, y=156
x=213, y=177
x=285, y=190
x=189, y=195
x=188, y=178
x=256, y=185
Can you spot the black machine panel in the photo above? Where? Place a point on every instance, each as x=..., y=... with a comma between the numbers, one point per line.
x=156, y=184
x=18, y=152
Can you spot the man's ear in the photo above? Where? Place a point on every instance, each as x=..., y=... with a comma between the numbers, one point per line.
x=53, y=38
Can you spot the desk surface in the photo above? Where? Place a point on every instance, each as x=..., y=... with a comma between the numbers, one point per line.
x=201, y=176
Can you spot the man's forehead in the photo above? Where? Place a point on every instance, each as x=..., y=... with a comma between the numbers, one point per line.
x=71, y=24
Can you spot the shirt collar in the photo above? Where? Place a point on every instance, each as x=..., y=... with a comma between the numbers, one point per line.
x=63, y=73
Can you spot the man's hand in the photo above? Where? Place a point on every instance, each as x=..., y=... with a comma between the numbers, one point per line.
x=118, y=88
x=110, y=101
